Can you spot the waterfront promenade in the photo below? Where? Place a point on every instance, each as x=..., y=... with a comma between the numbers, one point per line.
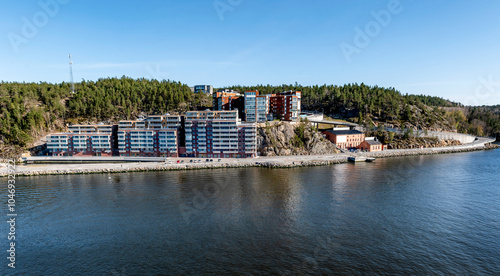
x=121, y=164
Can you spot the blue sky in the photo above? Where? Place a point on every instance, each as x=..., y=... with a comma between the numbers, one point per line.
x=449, y=49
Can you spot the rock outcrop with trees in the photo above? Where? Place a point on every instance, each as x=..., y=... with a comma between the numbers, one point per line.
x=284, y=138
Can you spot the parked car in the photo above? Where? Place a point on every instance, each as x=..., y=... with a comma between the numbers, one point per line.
x=191, y=160
x=211, y=160
x=178, y=161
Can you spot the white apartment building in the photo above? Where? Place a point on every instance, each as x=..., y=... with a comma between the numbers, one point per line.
x=218, y=134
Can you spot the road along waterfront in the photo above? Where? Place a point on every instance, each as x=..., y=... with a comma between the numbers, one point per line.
x=201, y=163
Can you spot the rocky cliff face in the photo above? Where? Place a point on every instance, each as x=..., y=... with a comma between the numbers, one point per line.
x=284, y=138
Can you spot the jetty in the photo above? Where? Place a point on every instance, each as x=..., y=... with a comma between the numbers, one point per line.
x=360, y=159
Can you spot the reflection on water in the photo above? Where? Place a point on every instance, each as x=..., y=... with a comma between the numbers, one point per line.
x=410, y=215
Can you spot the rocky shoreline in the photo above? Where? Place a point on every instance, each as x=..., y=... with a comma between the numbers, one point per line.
x=265, y=162
x=430, y=151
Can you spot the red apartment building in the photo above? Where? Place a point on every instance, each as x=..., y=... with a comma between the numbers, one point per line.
x=259, y=108
x=285, y=105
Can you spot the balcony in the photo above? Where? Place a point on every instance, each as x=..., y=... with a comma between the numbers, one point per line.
x=154, y=119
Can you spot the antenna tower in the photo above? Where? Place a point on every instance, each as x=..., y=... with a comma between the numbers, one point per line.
x=71, y=74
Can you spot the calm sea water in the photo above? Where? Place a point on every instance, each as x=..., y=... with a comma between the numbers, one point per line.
x=412, y=215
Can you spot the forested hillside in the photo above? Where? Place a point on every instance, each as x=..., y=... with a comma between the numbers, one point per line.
x=362, y=102
x=29, y=111
x=373, y=105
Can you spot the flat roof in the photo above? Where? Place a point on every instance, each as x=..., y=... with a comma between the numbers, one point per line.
x=77, y=134
x=90, y=125
x=345, y=132
x=373, y=142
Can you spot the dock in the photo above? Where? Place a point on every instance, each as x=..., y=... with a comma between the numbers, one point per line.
x=360, y=159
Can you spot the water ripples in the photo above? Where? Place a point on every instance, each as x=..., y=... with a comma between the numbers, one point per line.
x=409, y=215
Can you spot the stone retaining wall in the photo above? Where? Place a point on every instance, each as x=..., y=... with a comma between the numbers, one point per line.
x=335, y=159
x=443, y=135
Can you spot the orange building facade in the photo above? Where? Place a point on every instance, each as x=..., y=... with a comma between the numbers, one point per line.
x=253, y=107
x=226, y=100
x=345, y=139
x=371, y=146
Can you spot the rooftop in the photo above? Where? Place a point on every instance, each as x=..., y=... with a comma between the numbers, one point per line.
x=345, y=132
x=373, y=142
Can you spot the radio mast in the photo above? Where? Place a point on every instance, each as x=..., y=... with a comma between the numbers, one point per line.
x=71, y=74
